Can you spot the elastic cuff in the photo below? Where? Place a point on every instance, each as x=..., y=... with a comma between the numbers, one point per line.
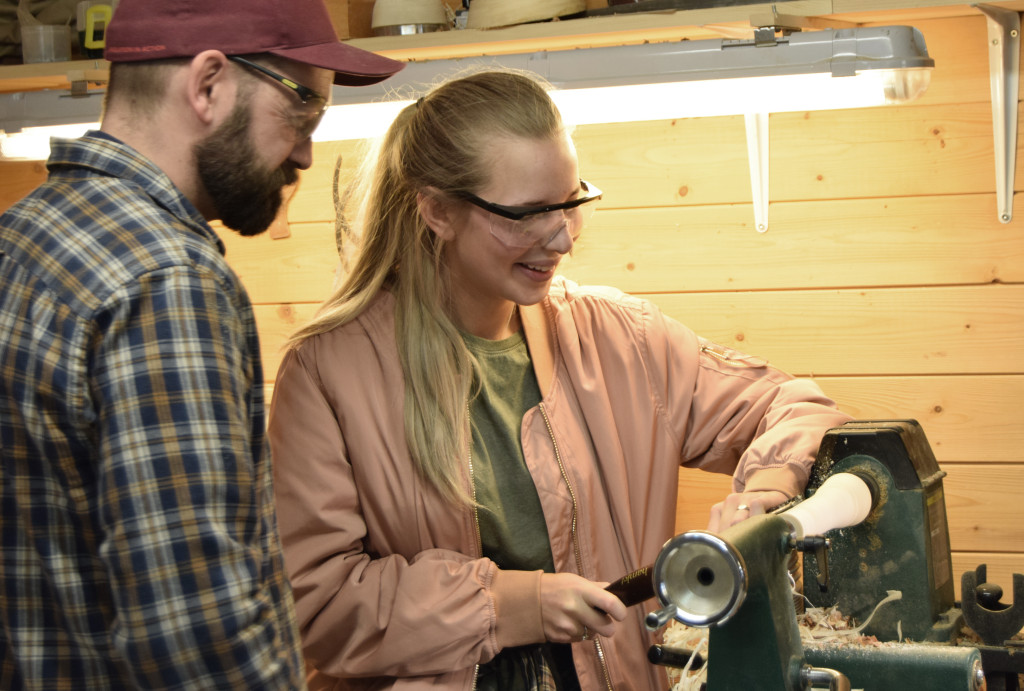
x=517, y=608
x=783, y=479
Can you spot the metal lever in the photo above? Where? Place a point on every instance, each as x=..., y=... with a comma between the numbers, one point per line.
x=819, y=547
x=673, y=657
x=815, y=676
x=655, y=620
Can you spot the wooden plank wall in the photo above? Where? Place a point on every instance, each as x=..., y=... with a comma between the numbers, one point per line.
x=885, y=274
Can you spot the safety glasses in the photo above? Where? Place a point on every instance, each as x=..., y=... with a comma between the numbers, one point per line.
x=526, y=226
x=315, y=104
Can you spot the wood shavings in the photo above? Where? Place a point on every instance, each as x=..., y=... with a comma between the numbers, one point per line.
x=828, y=625
x=679, y=635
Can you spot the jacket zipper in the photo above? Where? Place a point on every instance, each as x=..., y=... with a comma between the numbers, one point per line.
x=476, y=517
x=718, y=355
x=575, y=538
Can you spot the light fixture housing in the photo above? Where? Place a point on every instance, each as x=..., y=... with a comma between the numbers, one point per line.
x=813, y=70
x=816, y=70
x=807, y=70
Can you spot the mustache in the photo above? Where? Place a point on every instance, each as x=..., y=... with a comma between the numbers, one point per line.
x=289, y=175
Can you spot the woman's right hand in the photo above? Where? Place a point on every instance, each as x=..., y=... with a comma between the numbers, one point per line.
x=573, y=608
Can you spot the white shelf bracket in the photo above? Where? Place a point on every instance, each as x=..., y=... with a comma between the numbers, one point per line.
x=757, y=155
x=1003, y=69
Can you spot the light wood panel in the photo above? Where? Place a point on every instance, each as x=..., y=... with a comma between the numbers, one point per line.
x=905, y=241
x=868, y=152
x=902, y=241
x=985, y=508
x=815, y=333
x=18, y=178
x=921, y=331
x=970, y=419
x=276, y=323
x=842, y=154
x=1000, y=568
x=300, y=268
x=314, y=199
x=936, y=330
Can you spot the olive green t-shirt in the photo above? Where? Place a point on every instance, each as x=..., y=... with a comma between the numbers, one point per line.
x=512, y=529
x=512, y=526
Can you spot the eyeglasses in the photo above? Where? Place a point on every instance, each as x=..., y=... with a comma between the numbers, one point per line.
x=316, y=104
x=526, y=226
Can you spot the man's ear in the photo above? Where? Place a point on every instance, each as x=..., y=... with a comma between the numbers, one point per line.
x=208, y=86
x=438, y=211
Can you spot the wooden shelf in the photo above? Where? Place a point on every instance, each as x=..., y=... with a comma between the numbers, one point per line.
x=586, y=32
x=51, y=75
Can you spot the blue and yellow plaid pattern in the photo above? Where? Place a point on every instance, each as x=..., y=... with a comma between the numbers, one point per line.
x=139, y=543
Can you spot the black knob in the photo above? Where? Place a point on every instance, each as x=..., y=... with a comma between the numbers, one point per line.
x=989, y=596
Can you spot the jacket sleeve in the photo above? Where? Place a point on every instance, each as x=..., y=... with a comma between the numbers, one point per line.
x=363, y=614
x=737, y=414
x=190, y=547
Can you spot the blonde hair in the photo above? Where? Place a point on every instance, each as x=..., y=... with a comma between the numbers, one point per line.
x=438, y=142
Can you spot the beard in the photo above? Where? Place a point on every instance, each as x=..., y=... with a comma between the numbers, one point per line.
x=246, y=195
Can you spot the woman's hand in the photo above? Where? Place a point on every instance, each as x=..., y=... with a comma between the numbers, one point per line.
x=574, y=609
x=739, y=507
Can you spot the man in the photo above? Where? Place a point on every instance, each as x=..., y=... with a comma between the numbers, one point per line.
x=139, y=544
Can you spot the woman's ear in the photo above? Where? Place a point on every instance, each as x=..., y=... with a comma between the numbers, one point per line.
x=438, y=211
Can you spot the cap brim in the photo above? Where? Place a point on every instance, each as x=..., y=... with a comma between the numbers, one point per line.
x=352, y=66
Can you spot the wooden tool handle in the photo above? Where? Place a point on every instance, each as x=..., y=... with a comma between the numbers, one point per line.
x=634, y=587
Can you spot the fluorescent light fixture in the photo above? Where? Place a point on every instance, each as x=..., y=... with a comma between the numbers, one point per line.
x=33, y=143
x=814, y=70
x=358, y=120
x=809, y=70
x=741, y=95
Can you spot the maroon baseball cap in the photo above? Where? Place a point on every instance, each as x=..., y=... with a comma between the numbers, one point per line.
x=298, y=30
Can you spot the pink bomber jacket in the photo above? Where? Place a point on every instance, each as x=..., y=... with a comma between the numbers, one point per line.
x=390, y=587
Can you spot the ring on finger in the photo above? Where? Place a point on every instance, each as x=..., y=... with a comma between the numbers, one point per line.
x=743, y=507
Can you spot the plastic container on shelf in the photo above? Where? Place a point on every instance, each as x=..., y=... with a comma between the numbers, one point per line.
x=45, y=43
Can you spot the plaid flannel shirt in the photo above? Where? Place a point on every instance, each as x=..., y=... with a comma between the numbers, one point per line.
x=140, y=545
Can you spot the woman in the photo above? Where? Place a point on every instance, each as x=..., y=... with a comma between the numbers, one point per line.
x=468, y=448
